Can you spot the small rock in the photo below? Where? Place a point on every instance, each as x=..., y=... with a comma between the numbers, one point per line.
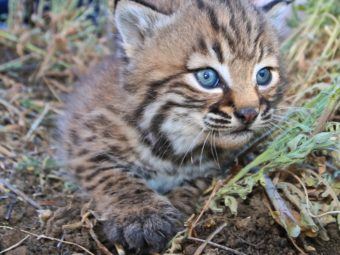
x=243, y=223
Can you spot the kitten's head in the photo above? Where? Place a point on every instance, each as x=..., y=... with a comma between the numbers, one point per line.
x=211, y=67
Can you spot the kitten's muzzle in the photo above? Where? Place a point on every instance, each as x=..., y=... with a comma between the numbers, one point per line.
x=246, y=115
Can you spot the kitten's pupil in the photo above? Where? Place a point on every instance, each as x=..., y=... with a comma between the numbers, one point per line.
x=207, y=78
x=263, y=77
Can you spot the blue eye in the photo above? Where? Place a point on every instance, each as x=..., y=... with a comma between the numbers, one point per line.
x=207, y=78
x=263, y=77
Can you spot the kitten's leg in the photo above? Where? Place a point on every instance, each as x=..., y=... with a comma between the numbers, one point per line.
x=185, y=197
x=133, y=214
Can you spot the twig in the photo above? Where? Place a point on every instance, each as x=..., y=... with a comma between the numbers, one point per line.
x=119, y=249
x=6, y=152
x=15, y=245
x=296, y=246
x=201, y=248
x=10, y=107
x=285, y=216
x=267, y=204
x=10, y=207
x=246, y=242
x=20, y=194
x=49, y=238
x=60, y=243
x=89, y=225
x=101, y=247
x=37, y=122
x=14, y=64
x=206, y=206
x=222, y=247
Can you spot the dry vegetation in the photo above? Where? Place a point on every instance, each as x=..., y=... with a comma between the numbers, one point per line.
x=289, y=177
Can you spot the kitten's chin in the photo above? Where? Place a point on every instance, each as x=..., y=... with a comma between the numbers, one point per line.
x=234, y=140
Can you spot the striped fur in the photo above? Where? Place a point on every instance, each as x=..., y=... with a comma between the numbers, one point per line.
x=140, y=125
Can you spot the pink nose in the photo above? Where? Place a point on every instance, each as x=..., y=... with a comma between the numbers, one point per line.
x=246, y=115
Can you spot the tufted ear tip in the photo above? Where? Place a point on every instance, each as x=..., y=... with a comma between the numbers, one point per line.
x=135, y=22
x=279, y=13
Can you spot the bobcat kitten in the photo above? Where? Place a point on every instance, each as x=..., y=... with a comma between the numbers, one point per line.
x=195, y=80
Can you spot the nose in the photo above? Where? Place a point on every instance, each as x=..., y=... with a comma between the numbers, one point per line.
x=246, y=115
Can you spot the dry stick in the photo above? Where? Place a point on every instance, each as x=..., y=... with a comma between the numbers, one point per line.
x=285, y=216
x=246, y=242
x=267, y=204
x=86, y=222
x=119, y=249
x=10, y=107
x=16, y=63
x=201, y=248
x=302, y=252
x=89, y=225
x=6, y=152
x=222, y=247
x=101, y=247
x=37, y=122
x=206, y=206
x=49, y=238
x=20, y=194
x=15, y=245
x=13, y=110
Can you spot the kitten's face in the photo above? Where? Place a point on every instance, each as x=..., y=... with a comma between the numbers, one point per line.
x=213, y=71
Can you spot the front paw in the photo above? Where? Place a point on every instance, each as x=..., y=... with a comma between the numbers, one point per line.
x=144, y=229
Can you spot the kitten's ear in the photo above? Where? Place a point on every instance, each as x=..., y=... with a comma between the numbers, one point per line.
x=136, y=22
x=278, y=12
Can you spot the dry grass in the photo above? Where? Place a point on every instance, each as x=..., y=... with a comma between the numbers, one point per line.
x=39, y=62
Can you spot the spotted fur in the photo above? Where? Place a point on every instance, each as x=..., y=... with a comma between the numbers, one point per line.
x=140, y=129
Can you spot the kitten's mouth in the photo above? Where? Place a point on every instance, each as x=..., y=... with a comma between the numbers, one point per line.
x=233, y=139
x=238, y=132
x=241, y=131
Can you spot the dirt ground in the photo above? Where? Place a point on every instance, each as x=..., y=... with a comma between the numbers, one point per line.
x=252, y=231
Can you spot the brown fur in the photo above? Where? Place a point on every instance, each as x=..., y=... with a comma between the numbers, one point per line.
x=139, y=127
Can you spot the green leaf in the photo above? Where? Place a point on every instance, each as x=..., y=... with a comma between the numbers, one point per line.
x=231, y=203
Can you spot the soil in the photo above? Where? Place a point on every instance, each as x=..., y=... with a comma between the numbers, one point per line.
x=252, y=231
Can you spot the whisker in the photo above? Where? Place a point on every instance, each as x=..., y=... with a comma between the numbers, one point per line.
x=215, y=149
x=201, y=156
x=192, y=145
x=286, y=121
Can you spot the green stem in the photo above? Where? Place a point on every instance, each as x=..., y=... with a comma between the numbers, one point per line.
x=13, y=64
x=262, y=158
x=15, y=39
